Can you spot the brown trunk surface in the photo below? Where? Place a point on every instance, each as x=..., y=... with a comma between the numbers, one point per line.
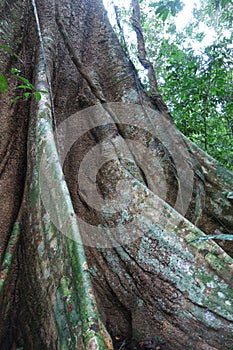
x=155, y=291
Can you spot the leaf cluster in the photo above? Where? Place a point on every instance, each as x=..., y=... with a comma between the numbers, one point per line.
x=24, y=84
x=195, y=74
x=164, y=8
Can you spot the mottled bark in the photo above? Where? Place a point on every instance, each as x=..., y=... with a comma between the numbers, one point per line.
x=161, y=284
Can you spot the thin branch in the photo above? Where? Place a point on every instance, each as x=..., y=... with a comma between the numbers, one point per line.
x=142, y=56
x=121, y=31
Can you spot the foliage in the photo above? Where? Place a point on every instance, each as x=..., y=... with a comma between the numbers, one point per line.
x=194, y=68
x=166, y=7
x=9, y=51
x=3, y=83
x=27, y=88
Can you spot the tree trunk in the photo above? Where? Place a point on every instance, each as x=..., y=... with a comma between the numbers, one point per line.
x=110, y=244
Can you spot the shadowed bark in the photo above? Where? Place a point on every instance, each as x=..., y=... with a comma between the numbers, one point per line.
x=156, y=286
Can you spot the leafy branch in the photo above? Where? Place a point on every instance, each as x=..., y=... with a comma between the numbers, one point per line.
x=27, y=87
x=165, y=7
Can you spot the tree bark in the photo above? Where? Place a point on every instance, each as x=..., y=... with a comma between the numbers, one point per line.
x=142, y=276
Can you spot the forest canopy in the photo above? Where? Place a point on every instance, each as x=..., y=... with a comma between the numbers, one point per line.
x=192, y=56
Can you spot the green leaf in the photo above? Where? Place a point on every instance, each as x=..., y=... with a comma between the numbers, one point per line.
x=8, y=50
x=26, y=81
x=164, y=15
x=163, y=12
x=43, y=91
x=27, y=95
x=15, y=71
x=223, y=4
x=37, y=95
x=15, y=99
x=3, y=83
x=24, y=87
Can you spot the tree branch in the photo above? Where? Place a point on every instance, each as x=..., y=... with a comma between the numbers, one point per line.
x=142, y=56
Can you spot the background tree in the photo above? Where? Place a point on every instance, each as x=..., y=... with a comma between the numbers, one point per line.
x=193, y=66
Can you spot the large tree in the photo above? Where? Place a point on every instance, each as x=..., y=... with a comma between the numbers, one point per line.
x=128, y=262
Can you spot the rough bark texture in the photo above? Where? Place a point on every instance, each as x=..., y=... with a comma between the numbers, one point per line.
x=161, y=289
